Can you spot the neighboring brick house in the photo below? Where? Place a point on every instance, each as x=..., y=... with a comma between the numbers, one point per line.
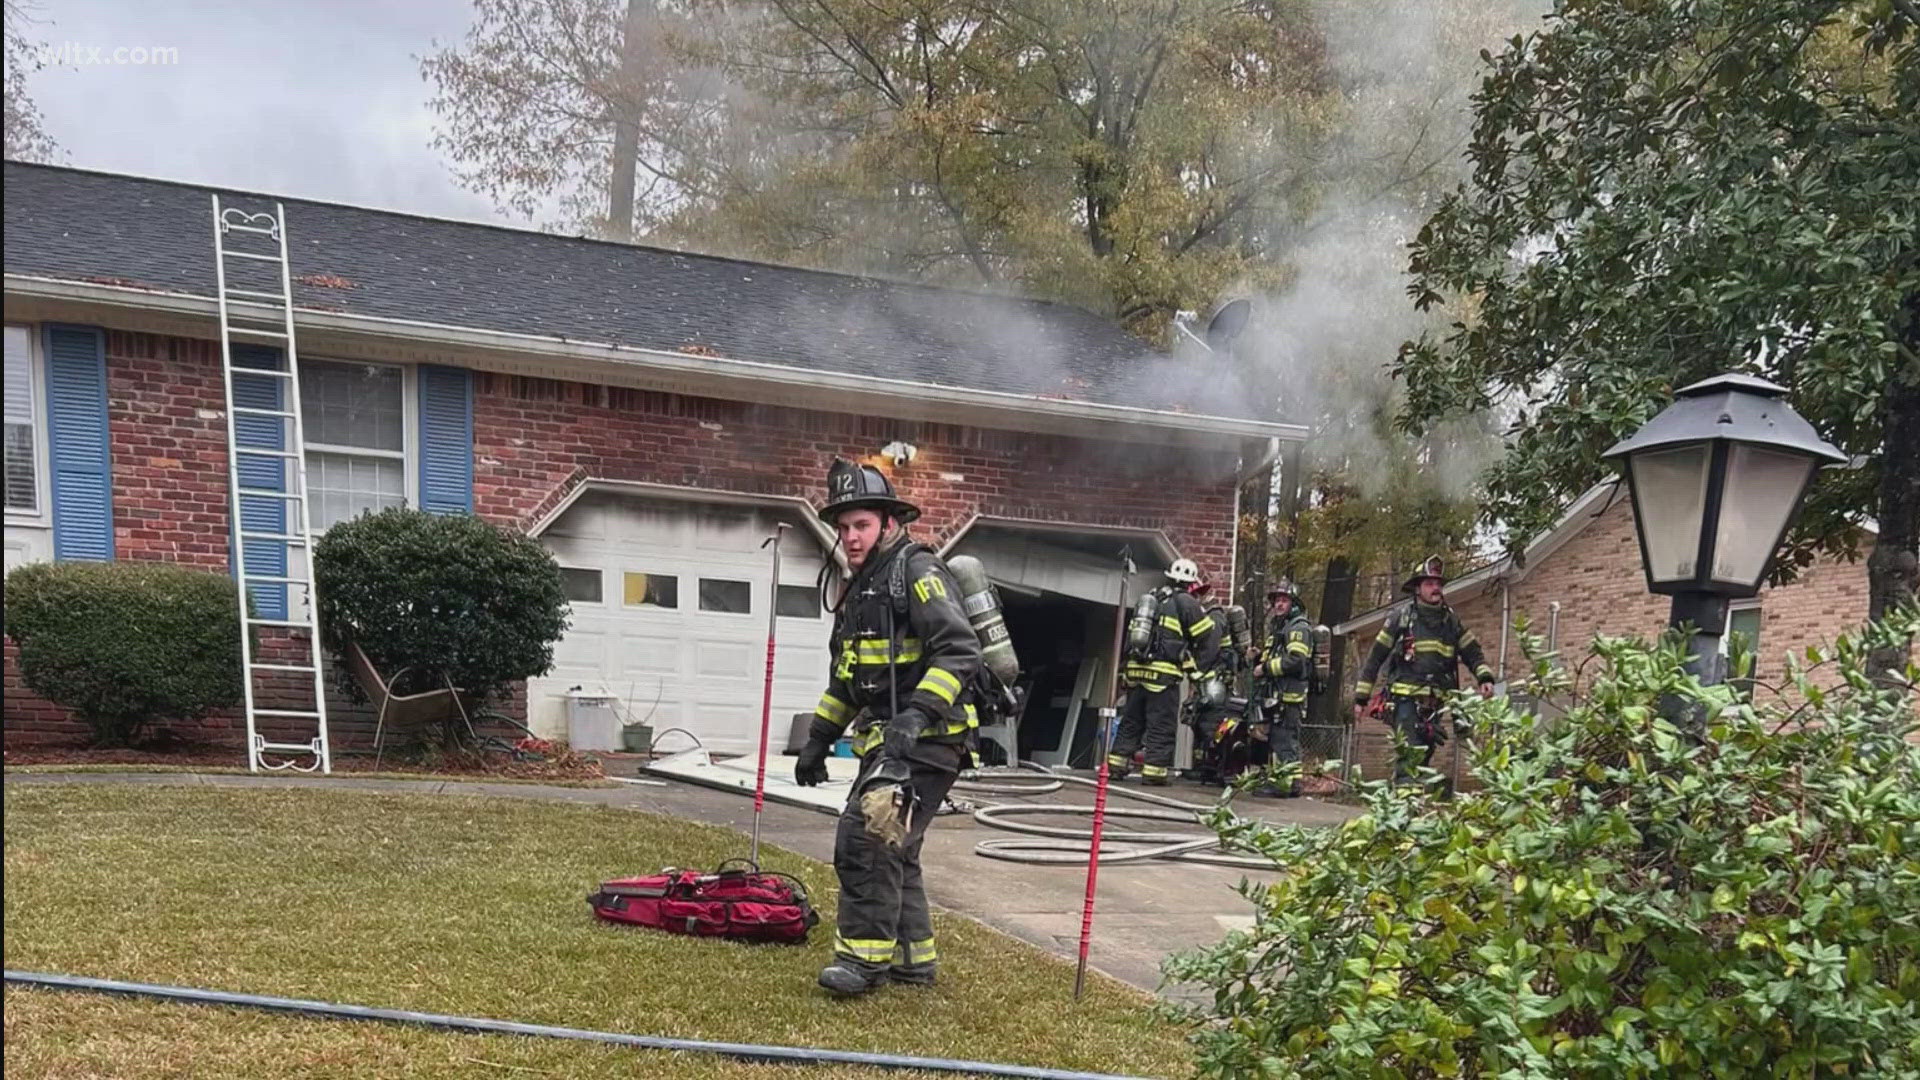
x=1584, y=578
x=649, y=414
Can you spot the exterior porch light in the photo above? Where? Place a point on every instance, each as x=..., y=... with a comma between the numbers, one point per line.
x=1716, y=478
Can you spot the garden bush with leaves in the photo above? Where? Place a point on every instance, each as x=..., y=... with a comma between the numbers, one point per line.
x=1619, y=899
x=440, y=595
x=126, y=645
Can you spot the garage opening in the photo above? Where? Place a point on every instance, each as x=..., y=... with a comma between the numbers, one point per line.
x=670, y=599
x=1058, y=584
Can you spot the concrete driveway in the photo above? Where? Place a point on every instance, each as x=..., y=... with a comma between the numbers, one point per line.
x=1143, y=912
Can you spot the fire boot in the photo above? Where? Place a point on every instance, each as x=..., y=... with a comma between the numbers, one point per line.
x=843, y=981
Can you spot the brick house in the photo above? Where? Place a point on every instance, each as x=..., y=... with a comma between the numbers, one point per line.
x=650, y=415
x=1583, y=578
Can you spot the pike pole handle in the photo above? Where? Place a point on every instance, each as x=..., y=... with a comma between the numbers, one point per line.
x=1093, y=852
x=766, y=698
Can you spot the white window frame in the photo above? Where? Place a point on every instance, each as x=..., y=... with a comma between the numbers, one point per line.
x=408, y=454
x=41, y=516
x=1726, y=639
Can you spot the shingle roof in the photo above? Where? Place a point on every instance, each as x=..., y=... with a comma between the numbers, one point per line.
x=107, y=228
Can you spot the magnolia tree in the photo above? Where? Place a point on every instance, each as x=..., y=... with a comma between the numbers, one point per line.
x=1616, y=899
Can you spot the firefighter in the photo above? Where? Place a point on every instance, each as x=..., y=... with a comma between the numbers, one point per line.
x=1286, y=665
x=1183, y=644
x=904, y=660
x=1424, y=639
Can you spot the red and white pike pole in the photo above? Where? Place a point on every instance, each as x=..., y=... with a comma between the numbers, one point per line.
x=1100, y=788
x=766, y=698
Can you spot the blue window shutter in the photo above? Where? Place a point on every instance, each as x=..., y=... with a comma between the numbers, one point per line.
x=81, y=455
x=259, y=513
x=446, y=440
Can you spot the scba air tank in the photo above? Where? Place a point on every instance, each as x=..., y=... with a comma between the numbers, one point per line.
x=1239, y=629
x=1146, y=613
x=982, y=605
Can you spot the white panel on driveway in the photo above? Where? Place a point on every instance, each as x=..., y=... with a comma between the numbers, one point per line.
x=679, y=633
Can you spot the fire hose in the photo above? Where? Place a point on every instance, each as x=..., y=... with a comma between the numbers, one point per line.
x=1071, y=846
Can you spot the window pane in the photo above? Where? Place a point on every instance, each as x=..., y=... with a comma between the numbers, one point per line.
x=651, y=590
x=21, y=494
x=345, y=485
x=361, y=405
x=1671, y=486
x=731, y=597
x=19, y=376
x=799, y=602
x=582, y=586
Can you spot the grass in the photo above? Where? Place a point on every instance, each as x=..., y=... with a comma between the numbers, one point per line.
x=235, y=770
x=472, y=906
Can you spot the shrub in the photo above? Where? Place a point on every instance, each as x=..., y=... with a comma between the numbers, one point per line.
x=123, y=645
x=1619, y=899
x=440, y=594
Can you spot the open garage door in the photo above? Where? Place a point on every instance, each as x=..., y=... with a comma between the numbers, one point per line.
x=670, y=616
x=1058, y=583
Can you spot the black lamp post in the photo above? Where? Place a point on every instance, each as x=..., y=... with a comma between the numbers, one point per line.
x=1716, y=479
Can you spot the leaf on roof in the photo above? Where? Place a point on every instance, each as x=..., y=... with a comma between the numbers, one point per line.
x=325, y=281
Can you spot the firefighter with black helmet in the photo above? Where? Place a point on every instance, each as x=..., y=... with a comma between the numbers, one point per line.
x=1181, y=639
x=905, y=660
x=1285, y=672
x=1424, y=639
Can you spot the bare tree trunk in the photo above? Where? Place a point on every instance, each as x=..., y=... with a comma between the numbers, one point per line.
x=1893, y=570
x=626, y=128
x=1336, y=607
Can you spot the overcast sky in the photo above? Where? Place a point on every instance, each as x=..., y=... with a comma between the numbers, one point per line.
x=320, y=100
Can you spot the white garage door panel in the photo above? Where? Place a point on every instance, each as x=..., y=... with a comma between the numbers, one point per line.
x=707, y=668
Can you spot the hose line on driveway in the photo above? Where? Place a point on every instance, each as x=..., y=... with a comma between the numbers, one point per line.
x=1071, y=846
x=477, y=1026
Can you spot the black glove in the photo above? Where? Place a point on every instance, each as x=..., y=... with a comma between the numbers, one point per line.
x=902, y=733
x=811, y=769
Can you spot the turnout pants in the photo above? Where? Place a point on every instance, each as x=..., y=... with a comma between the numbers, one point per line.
x=1149, y=720
x=1419, y=722
x=884, y=923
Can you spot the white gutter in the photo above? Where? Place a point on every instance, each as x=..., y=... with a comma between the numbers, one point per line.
x=925, y=397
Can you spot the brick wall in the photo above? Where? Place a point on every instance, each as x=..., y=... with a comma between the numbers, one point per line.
x=1598, y=581
x=535, y=439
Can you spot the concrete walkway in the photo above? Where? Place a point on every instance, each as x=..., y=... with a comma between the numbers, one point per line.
x=1143, y=911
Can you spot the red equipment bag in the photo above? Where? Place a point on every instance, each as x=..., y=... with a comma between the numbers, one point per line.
x=741, y=904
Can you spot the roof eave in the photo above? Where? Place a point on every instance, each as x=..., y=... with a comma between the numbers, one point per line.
x=328, y=333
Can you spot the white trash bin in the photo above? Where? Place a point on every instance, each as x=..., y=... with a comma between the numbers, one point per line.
x=593, y=723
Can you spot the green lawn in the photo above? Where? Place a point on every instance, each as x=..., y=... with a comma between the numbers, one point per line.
x=470, y=906
x=337, y=774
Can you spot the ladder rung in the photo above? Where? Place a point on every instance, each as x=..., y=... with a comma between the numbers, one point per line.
x=265, y=494
x=260, y=333
x=249, y=254
x=256, y=292
x=298, y=624
x=282, y=667
x=264, y=451
x=288, y=537
x=286, y=712
x=232, y=226
x=250, y=411
x=238, y=370
x=287, y=748
x=263, y=579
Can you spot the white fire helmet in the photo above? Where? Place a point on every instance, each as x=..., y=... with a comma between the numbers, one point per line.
x=1185, y=571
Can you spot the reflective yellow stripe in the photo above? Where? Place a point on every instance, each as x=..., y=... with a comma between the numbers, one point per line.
x=869, y=950
x=1117, y=761
x=966, y=719
x=1384, y=638
x=832, y=709
x=1363, y=688
x=1294, y=698
x=867, y=740
x=1171, y=622
x=1205, y=624
x=1467, y=639
x=1430, y=646
x=1485, y=673
x=1153, y=770
x=1404, y=689
x=941, y=684
x=922, y=952
x=1299, y=648
x=876, y=651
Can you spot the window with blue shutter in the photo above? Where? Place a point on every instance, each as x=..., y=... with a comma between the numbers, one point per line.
x=80, y=455
x=262, y=472
x=446, y=439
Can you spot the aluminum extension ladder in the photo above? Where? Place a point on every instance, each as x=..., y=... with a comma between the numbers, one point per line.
x=268, y=515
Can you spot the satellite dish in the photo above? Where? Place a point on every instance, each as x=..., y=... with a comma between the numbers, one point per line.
x=1227, y=323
